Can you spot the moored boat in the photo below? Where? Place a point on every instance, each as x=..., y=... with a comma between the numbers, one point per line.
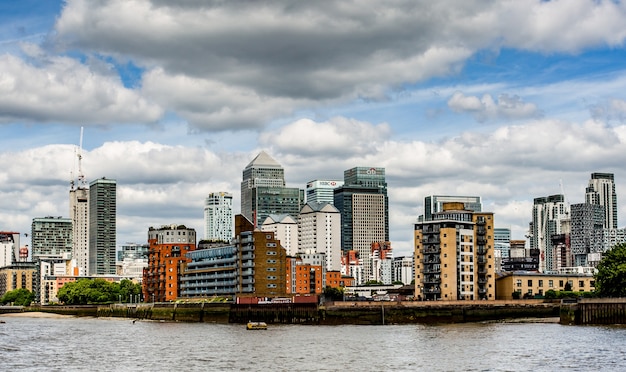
x=256, y=325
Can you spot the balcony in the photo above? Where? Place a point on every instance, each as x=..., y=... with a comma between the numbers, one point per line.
x=432, y=280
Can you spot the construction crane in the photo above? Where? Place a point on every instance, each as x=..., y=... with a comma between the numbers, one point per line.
x=79, y=155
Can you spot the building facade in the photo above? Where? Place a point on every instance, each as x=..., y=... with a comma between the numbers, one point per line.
x=285, y=229
x=51, y=236
x=548, y=214
x=601, y=191
x=454, y=257
x=321, y=191
x=319, y=231
x=79, y=214
x=263, y=191
x=102, y=226
x=169, y=246
x=403, y=269
x=529, y=285
x=364, y=207
x=16, y=276
x=218, y=217
x=9, y=248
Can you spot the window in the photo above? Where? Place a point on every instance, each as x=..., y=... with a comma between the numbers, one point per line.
x=540, y=282
x=551, y=283
x=530, y=282
x=271, y=269
x=271, y=253
x=271, y=277
x=519, y=282
x=581, y=284
x=560, y=283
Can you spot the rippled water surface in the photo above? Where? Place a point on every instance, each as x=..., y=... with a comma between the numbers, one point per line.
x=90, y=344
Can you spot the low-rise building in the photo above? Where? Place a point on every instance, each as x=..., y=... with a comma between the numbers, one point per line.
x=531, y=284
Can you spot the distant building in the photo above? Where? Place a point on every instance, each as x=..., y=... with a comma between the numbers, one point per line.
x=51, y=236
x=79, y=214
x=587, y=230
x=9, y=248
x=548, y=214
x=351, y=266
x=502, y=241
x=454, y=257
x=285, y=229
x=381, y=257
x=319, y=231
x=364, y=207
x=601, y=191
x=321, y=191
x=434, y=204
x=133, y=251
x=102, y=226
x=403, y=269
x=263, y=191
x=218, y=217
x=169, y=246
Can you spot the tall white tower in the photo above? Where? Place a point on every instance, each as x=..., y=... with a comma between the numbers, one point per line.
x=548, y=213
x=218, y=216
x=601, y=191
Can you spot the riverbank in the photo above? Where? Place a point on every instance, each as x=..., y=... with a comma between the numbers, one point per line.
x=330, y=313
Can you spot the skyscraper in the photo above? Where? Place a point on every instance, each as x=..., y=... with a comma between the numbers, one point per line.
x=102, y=226
x=548, y=214
x=601, y=191
x=319, y=231
x=587, y=231
x=218, y=216
x=318, y=191
x=79, y=214
x=263, y=191
x=364, y=207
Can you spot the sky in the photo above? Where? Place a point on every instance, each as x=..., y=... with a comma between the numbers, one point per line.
x=507, y=100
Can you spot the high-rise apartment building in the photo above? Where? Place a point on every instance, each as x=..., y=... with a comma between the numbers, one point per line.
x=321, y=191
x=434, y=204
x=9, y=248
x=169, y=246
x=601, y=191
x=319, y=231
x=263, y=191
x=587, y=231
x=454, y=255
x=102, y=226
x=79, y=214
x=502, y=241
x=364, y=207
x=51, y=236
x=403, y=269
x=218, y=217
x=548, y=215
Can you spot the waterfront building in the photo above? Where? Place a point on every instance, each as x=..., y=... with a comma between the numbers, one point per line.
x=454, y=257
x=17, y=275
x=169, y=246
x=304, y=277
x=351, y=266
x=547, y=216
x=403, y=269
x=253, y=265
x=529, y=285
x=218, y=217
x=321, y=191
x=10, y=248
x=102, y=226
x=502, y=241
x=285, y=229
x=601, y=191
x=263, y=191
x=434, y=204
x=79, y=214
x=319, y=231
x=381, y=257
x=51, y=236
x=48, y=268
x=364, y=207
x=133, y=251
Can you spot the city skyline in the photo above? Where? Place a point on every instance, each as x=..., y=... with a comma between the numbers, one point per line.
x=489, y=99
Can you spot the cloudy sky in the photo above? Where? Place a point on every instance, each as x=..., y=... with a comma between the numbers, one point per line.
x=507, y=100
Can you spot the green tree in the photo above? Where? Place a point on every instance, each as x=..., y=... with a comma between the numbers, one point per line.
x=18, y=297
x=611, y=275
x=96, y=291
x=334, y=294
x=550, y=294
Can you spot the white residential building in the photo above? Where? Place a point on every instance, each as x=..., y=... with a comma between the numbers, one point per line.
x=403, y=269
x=548, y=214
x=218, y=217
x=319, y=231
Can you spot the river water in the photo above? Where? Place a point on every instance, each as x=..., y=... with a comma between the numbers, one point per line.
x=97, y=344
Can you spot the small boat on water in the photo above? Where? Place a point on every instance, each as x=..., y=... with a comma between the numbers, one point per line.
x=256, y=325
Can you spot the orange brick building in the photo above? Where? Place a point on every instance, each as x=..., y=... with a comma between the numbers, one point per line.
x=168, y=246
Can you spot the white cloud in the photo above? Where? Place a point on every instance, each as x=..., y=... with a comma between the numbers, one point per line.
x=485, y=108
x=52, y=89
